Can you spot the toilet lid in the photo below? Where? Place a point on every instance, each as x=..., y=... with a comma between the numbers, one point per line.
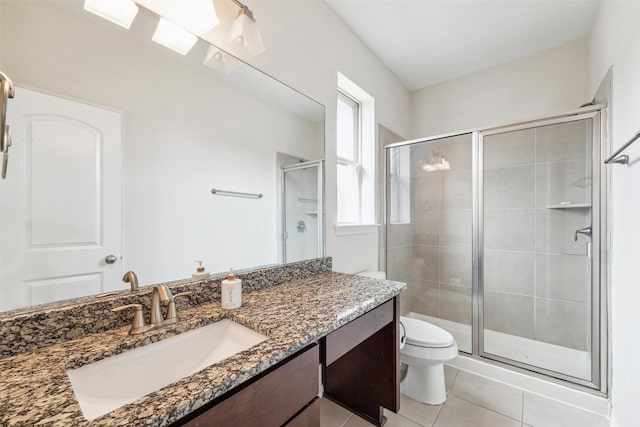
x=423, y=334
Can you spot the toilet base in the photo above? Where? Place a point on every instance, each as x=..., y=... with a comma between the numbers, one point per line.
x=425, y=384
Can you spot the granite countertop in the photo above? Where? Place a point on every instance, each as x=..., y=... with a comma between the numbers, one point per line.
x=35, y=389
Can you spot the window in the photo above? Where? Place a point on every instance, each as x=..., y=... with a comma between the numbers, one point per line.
x=355, y=158
x=399, y=184
x=349, y=163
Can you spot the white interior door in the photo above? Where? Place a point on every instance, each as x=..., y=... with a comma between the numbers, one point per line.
x=61, y=204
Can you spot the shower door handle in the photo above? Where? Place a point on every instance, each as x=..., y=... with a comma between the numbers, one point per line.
x=584, y=231
x=6, y=92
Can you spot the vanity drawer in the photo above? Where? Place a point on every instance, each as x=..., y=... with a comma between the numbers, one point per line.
x=271, y=400
x=344, y=339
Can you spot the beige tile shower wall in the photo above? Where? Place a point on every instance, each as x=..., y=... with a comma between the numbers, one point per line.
x=536, y=277
x=399, y=261
x=441, y=212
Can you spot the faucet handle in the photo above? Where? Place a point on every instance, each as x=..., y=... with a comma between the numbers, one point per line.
x=137, y=326
x=172, y=314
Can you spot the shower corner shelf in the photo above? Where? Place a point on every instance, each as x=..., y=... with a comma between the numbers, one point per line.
x=570, y=206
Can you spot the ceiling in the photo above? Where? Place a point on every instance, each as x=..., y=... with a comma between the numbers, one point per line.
x=429, y=41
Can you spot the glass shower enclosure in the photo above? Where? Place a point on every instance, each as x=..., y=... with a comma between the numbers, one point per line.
x=303, y=211
x=497, y=233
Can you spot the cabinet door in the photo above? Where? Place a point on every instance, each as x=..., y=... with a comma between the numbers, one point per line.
x=365, y=376
x=340, y=341
x=271, y=400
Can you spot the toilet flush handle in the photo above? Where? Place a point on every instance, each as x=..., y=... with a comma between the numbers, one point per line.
x=403, y=335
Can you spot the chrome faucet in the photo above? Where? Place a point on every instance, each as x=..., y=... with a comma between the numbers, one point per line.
x=137, y=326
x=161, y=293
x=131, y=277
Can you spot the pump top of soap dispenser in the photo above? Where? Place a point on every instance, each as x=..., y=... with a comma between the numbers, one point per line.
x=231, y=276
x=200, y=268
x=200, y=274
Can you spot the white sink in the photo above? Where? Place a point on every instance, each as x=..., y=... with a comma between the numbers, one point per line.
x=110, y=383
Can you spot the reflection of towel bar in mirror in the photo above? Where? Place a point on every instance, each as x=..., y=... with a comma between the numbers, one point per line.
x=236, y=193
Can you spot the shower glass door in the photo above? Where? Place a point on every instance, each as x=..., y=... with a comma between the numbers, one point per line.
x=429, y=231
x=303, y=211
x=536, y=190
x=497, y=234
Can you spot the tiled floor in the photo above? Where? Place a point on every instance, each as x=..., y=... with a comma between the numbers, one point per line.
x=473, y=401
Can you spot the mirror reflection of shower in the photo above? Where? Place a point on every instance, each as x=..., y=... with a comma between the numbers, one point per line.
x=302, y=212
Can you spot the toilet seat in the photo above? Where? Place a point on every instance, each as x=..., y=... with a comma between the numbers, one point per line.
x=423, y=334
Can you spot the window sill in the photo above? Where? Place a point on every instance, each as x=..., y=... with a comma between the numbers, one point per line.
x=353, y=229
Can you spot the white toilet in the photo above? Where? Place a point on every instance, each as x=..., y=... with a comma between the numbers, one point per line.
x=425, y=351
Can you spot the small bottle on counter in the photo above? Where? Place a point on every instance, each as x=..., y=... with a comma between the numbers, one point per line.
x=200, y=273
x=231, y=293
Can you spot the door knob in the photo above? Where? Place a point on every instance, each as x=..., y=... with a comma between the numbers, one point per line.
x=111, y=259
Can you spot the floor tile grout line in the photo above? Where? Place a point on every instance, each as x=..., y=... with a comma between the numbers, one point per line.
x=437, y=414
x=453, y=381
x=412, y=421
x=346, y=421
x=488, y=409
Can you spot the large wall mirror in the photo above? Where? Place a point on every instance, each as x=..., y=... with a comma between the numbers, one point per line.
x=117, y=145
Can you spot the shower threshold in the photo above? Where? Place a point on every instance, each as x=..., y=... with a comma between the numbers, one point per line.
x=552, y=357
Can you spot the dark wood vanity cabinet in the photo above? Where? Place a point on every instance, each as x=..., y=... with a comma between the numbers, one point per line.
x=360, y=372
x=285, y=395
x=362, y=363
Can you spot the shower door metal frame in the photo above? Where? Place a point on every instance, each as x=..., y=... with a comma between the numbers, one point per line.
x=599, y=272
x=320, y=203
x=598, y=294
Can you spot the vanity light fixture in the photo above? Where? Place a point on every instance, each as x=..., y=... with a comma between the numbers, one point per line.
x=244, y=40
x=220, y=60
x=196, y=16
x=174, y=37
x=437, y=163
x=120, y=12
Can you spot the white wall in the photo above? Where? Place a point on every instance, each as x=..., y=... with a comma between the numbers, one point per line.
x=551, y=81
x=615, y=41
x=307, y=44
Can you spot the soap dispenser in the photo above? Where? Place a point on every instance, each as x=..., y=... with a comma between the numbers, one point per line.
x=200, y=273
x=231, y=295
